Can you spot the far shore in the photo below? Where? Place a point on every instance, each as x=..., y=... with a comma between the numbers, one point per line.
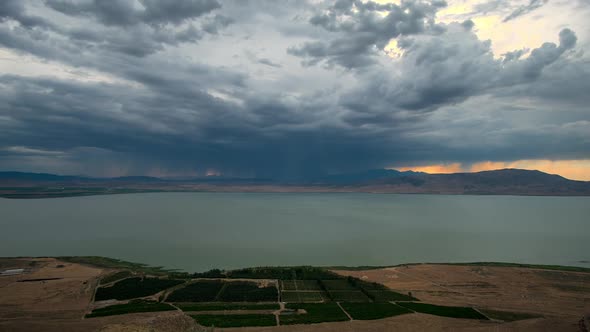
x=48, y=192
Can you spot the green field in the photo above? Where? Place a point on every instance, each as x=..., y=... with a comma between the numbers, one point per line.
x=226, y=306
x=316, y=313
x=131, y=307
x=288, y=285
x=134, y=287
x=244, y=291
x=349, y=296
x=368, y=311
x=302, y=285
x=310, y=285
x=339, y=285
x=283, y=273
x=235, y=320
x=439, y=310
x=301, y=288
x=386, y=296
x=508, y=316
x=311, y=296
x=290, y=296
x=199, y=291
x=115, y=276
x=378, y=292
x=301, y=296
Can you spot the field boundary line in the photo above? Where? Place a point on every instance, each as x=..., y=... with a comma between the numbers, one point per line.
x=345, y=312
x=297, y=290
x=216, y=299
x=172, y=305
x=481, y=313
x=401, y=306
x=166, y=292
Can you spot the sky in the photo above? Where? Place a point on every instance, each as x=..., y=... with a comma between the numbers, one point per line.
x=291, y=89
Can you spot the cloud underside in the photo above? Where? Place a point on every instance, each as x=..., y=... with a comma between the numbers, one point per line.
x=186, y=87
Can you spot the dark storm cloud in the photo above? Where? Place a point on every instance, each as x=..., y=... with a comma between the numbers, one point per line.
x=15, y=9
x=128, y=30
x=152, y=125
x=124, y=12
x=449, y=68
x=523, y=10
x=357, y=31
x=163, y=101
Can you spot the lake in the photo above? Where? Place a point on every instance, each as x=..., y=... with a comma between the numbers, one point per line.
x=199, y=231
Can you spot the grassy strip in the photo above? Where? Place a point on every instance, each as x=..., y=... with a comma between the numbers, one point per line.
x=368, y=311
x=316, y=313
x=115, y=276
x=134, y=287
x=235, y=320
x=131, y=307
x=226, y=306
x=439, y=310
x=339, y=285
x=349, y=296
x=508, y=316
x=244, y=291
x=302, y=296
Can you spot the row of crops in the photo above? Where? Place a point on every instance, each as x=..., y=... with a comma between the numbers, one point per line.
x=231, y=303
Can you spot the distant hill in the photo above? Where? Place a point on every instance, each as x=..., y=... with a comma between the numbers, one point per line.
x=22, y=177
x=498, y=182
x=505, y=181
x=41, y=177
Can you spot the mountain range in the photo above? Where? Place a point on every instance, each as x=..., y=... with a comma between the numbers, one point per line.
x=497, y=182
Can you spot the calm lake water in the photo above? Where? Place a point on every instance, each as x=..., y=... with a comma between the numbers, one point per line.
x=199, y=231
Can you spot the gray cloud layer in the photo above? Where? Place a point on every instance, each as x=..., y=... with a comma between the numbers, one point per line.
x=523, y=10
x=282, y=90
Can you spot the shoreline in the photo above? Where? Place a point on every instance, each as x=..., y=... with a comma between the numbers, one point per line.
x=281, y=190
x=108, y=262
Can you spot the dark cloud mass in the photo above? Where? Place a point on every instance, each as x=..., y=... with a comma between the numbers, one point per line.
x=124, y=12
x=288, y=90
x=358, y=30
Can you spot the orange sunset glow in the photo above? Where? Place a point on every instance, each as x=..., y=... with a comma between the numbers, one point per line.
x=571, y=169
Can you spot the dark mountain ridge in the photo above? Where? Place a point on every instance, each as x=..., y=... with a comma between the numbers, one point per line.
x=501, y=182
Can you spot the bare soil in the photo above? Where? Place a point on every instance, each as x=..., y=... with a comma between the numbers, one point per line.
x=562, y=298
x=60, y=305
